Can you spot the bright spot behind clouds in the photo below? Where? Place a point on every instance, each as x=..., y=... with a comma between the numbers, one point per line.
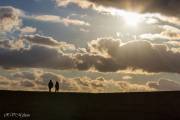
x=130, y=18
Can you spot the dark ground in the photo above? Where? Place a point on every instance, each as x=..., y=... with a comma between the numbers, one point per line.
x=84, y=106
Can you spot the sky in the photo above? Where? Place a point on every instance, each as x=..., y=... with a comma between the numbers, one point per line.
x=90, y=45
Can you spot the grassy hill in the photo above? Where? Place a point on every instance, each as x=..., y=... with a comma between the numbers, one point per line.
x=86, y=106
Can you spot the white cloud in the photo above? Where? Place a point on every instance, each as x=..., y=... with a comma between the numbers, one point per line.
x=168, y=33
x=28, y=29
x=31, y=80
x=9, y=18
x=48, y=18
x=49, y=41
x=80, y=3
x=126, y=77
x=164, y=85
x=57, y=19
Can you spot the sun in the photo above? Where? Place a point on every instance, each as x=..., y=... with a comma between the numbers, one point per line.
x=131, y=19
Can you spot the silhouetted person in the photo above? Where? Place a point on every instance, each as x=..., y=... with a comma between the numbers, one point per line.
x=50, y=85
x=57, y=86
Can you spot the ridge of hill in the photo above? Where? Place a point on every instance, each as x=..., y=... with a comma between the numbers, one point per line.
x=89, y=106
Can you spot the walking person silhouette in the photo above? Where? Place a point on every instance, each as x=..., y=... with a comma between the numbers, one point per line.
x=50, y=85
x=57, y=86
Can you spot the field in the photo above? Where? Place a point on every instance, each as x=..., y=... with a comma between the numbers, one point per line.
x=89, y=106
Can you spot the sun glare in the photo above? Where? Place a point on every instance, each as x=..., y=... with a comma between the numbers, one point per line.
x=131, y=19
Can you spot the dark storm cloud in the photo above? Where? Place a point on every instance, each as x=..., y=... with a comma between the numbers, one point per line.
x=167, y=7
x=98, y=62
x=35, y=56
x=104, y=55
x=112, y=55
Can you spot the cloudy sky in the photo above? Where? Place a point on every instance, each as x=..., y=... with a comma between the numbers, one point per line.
x=90, y=45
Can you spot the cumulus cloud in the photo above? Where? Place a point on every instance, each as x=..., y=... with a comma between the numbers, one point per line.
x=28, y=29
x=168, y=33
x=113, y=86
x=57, y=19
x=66, y=84
x=27, y=84
x=170, y=7
x=85, y=84
x=68, y=21
x=172, y=32
x=9, y=18
x=163, y=36
x=48, y=18
x=164, y=85
x=31, y=80
x=112, y=55
x=158, y=6
x=49, y=41
x=25, y=75
x=174, y=45
x=127, y=77
x=7, y=83
x=12, y=44
x=82, y=4
x=84, y=30
x=38, y=80
x=4, y=81
x=104, y=55
x=35, y=56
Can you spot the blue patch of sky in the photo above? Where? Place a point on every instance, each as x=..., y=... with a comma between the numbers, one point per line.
x=45, y=7
x=58, y=31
